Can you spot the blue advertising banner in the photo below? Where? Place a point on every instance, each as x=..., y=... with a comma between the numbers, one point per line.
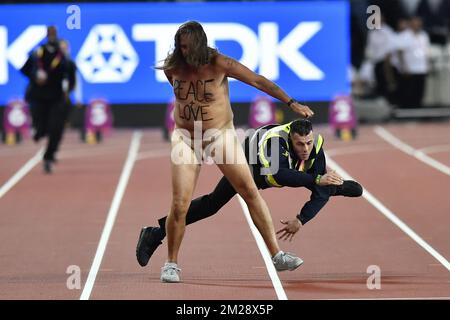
x=302, y=46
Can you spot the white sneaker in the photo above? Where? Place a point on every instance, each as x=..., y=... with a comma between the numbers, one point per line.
x=286, y=261
x=170, y=272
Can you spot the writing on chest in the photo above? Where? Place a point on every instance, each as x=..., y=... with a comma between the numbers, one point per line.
x=199, y=90
x=194, y=112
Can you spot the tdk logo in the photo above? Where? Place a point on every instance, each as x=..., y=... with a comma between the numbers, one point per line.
x=263, y=50
x=108, y=56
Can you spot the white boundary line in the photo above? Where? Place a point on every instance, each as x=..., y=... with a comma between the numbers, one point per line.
x=264, y=252
x=112, y=214
x=22, y=172
x=391, y=216
x=420, y=155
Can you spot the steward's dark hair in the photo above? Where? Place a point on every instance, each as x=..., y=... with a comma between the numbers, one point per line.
x=301, y=126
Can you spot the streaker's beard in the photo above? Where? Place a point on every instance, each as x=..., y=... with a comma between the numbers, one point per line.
x=195, y=60
x=192, y=61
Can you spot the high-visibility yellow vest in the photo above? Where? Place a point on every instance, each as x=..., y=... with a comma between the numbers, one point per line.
x=283, y=131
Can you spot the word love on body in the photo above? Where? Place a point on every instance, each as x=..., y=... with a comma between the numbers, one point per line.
x=197, y=91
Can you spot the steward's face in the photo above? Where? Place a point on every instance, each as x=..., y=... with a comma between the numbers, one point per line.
x=302, y=145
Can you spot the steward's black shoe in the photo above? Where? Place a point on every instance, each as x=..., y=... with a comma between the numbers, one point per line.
x=47, y=166
x=149, y=239
x=349, y=188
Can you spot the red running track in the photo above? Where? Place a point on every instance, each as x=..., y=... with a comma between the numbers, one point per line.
x=48, y=223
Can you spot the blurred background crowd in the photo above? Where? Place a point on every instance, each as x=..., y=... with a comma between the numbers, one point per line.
x=407, y=61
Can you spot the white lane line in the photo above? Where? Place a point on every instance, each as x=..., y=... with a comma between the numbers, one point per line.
x=120, y=190
x=420, y=155
x=22, y=172
x=391, y=216
x=264, y=252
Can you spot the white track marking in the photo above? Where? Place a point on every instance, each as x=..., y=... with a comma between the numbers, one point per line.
x=264, y=252
x=391, y=216
x=420, y=155
x=21, y=173
x=112, y=214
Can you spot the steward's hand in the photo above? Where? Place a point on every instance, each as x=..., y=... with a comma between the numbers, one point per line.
x=331, y=178
x=290, y=228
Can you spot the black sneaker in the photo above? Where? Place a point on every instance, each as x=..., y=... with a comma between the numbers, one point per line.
x=149, y=239
x=47, y=166
x=349, y=188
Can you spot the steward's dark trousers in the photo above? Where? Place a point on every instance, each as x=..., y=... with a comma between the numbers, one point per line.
x=49, y=117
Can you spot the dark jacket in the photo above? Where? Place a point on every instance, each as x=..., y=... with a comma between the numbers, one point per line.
x=291, y=171
x=50, y=59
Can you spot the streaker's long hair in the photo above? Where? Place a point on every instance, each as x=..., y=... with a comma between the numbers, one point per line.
x=199, y=52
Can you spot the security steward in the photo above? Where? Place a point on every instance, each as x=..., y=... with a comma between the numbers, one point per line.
x=47, y=93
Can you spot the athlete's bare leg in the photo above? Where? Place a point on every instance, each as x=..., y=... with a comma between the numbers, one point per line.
x=184, y=179
x=238, y=174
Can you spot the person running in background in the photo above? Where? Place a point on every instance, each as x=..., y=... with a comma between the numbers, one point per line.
x=50, y=81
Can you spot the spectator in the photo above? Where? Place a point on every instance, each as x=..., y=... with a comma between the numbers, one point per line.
x=413, y=47
x=380, y=44
x=436, y=17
